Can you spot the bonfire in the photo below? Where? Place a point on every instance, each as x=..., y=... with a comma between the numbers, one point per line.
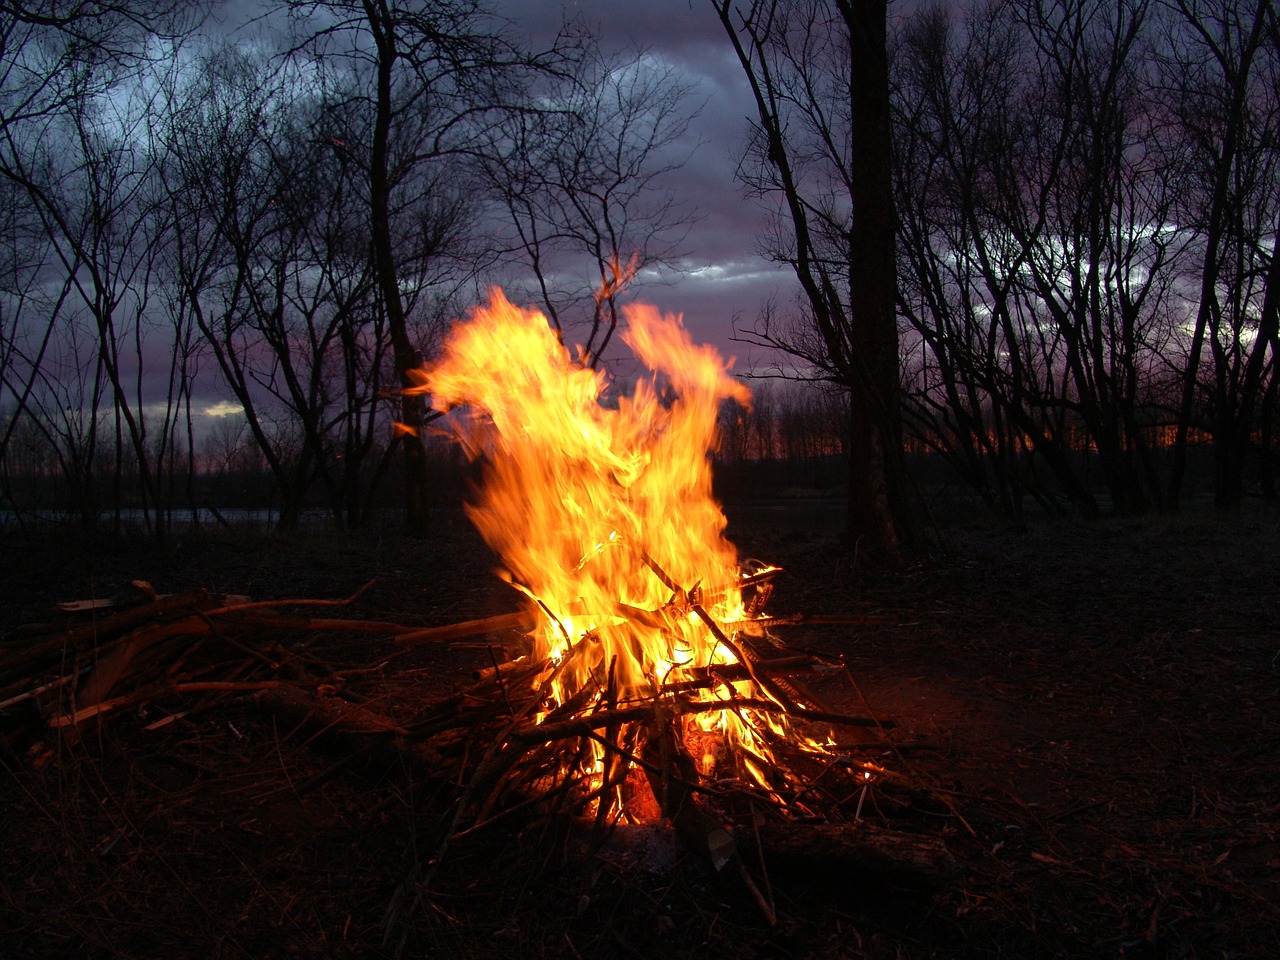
x=652, y=684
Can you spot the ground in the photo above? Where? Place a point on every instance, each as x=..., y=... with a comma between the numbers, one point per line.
x=1090, y=712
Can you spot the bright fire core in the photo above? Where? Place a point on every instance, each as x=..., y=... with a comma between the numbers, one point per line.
x=602, y=511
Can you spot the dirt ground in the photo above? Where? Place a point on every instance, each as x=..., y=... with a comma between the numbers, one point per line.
x=1092, y=711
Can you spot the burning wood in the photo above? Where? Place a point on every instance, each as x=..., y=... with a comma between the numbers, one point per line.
x=498, y=739
x=651, y=669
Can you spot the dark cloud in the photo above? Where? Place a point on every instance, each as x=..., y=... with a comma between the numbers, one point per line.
x=724, y=275
x=676, y=26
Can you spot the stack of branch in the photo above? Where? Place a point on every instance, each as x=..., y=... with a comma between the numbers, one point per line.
x=618, y=754
x=534, y=752
x=499, y=741
x=100, y=658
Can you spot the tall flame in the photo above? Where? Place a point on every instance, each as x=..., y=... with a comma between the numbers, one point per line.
x=601, y=509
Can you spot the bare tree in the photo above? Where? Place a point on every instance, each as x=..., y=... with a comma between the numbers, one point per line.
x=818, y=71
x=1039, y=246
x=1221, y=77
x=74, y=143
x=958, y=106
x=579, y=180
x=1100, y=263
x=88, y=172
x=433, y=83
x=273, y=271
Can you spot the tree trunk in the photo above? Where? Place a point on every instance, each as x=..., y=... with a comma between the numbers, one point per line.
x=878, y=510
x=1234, y=441
x=859, y=340
x=407, y=357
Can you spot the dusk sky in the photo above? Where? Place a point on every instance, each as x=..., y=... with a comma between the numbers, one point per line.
x=723, y=272
x=721, y=275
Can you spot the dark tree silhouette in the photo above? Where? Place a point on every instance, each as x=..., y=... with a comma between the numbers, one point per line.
x=818, y=71
x=434, y=83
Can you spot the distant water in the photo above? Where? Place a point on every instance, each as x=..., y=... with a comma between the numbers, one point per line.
x=810, y=515
x=178, y=518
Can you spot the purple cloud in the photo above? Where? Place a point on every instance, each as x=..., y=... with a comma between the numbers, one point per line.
x=723, y=273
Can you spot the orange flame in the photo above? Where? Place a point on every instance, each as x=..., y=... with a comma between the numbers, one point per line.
x=614, y=277
x=601, y=508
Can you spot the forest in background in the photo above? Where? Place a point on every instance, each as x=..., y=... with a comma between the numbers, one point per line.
x=1087, y=215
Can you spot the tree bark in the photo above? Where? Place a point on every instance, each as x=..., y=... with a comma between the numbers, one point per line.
x=407, y=356
x=878, y=512
x=859, y=340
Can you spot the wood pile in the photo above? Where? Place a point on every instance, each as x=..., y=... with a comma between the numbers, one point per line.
x=493, y=740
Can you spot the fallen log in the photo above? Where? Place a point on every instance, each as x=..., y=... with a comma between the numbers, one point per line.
x=860, y=853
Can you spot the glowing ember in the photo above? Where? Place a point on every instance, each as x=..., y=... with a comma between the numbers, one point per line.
x=602, y=512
